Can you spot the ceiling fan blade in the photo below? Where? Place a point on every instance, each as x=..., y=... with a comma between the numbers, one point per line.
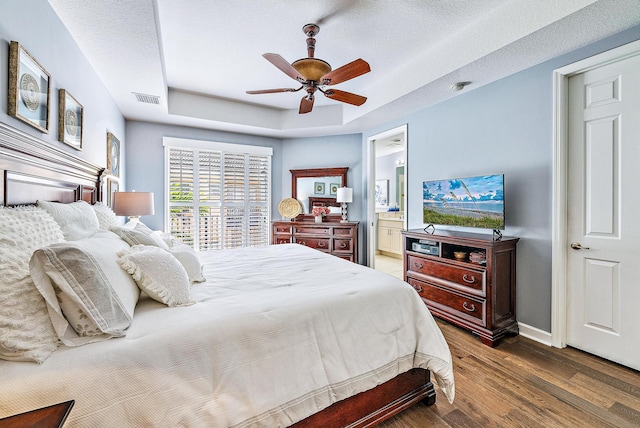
x=345, y=97
x=346, y=72
x=273, y=91
x=284, y=66
x=306, y=105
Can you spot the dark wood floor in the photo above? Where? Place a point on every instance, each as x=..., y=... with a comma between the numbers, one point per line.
x=522, y=383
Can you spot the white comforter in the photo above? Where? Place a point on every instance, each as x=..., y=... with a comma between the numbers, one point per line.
x=277, y=334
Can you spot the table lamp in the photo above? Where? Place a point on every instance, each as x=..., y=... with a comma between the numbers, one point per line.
x=132, y=204
x=344, y=195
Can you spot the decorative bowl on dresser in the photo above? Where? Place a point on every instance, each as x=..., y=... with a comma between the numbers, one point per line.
x=466, y=279
x=339, y=239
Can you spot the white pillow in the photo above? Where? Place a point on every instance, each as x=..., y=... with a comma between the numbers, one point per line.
x=189, y=259
x=158, y=274
x=135, y=237
x=88, y=295
x=106, y=216
x=77, y=220
x=169, y=239
x=26, y=332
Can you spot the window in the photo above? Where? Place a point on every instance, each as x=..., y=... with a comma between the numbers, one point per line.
x=218, y=195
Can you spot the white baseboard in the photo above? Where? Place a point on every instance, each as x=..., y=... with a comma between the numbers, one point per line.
x=536, y=334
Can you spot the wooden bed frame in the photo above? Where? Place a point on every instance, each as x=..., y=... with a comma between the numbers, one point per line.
x=31, y=169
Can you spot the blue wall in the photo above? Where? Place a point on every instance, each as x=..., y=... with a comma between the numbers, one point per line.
x=145, y=159
x=35, y=25
x=503, y=127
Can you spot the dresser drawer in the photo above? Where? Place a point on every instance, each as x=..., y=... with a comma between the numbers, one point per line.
x=343, y=231
x=343, y=245
x=282, y=228
x=317, y=231
x=470, y=309
x=465, y=279
x=282, y=239
x=317, y=243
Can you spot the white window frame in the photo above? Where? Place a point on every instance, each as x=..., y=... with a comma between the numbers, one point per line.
x=199, y=145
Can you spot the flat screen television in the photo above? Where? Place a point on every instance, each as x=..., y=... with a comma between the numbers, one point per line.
x=469, y=202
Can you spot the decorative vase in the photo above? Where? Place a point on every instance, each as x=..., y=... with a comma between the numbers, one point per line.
x=318, y=219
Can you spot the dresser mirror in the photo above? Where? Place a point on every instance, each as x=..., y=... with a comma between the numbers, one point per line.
x=317, y=187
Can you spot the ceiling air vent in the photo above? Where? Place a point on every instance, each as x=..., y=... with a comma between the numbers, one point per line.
x=149, y=99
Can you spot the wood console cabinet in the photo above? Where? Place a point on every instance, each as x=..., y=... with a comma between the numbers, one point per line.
x=466, y=279
x=339, y=239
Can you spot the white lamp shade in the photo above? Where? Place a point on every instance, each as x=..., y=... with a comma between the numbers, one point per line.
x=344, y=194
x=132, y=204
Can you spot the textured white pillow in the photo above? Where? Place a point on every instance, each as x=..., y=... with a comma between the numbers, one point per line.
x=189, y=259
x=26, y=332
x=88, y=295
x=106, y=217
x=77, y=220
x=158, y=274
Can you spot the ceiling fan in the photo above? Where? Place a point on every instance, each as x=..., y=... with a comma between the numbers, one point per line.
x=314, y=74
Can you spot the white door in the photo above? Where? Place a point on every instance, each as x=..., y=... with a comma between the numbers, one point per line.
x=603, y=212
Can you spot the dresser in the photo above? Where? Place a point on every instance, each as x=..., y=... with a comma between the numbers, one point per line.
x=338, y=239
x=466, y=279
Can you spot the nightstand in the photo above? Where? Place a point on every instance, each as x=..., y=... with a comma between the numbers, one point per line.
x=46, y=417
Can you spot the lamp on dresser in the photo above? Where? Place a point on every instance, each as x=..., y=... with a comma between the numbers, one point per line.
x=133, y=204
x=344, y=195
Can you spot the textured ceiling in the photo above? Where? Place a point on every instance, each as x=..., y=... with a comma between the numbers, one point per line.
x=200, y=56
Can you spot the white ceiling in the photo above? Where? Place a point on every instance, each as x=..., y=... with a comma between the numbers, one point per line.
x=200, y=56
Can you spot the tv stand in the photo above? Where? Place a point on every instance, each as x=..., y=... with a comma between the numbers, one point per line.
x=466, y=279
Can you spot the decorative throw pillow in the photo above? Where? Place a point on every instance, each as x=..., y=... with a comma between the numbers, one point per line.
x=135, y=237
x=158, y=274
x=106, y=216
x=26, y=332
x=88, y=295
x=189, y=259
x=141, y=227
x=77, y=220
x=169, y=239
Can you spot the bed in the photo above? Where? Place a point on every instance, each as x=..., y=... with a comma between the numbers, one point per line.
x=280, y=335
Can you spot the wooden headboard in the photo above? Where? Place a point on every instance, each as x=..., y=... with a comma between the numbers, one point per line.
x=32, y=169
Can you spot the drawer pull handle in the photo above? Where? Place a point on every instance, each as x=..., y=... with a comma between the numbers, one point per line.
x=469, y=308
x=418, y=288
x=468, y=280
x=321, y=244
x=343, y=245
x=303, y=243
x=418, y=265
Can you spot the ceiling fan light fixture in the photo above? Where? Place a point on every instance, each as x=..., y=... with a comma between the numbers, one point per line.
x=312, y=68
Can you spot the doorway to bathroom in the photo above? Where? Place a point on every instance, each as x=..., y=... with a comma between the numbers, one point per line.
x=387, y=199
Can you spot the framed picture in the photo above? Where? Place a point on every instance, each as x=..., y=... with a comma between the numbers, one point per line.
x=318, y=188
x=113, y=155
x=382, y=193
x=70, y=120
x=333, y=188
x=112, y=186
x=28, y=89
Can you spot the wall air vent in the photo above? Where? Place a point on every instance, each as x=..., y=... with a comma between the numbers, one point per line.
x=149, y=99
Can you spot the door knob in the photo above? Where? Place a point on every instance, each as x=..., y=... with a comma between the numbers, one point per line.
x=578, y=246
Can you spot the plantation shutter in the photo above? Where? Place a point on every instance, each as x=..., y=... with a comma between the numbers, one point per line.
x=229, y=189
